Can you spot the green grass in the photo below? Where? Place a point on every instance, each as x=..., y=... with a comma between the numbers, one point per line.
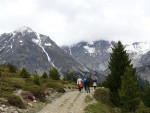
x=103, y=105
x=88, y=99
x=10, y=82
x=99, y=108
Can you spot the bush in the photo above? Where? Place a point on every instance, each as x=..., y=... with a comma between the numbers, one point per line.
x=38, y=92
x=142, y=108
x=28, y=95
x=12, y=68
x=102, y=95
x=70, y=77
x=24, y=73
x=44, y=75
x=15, y=101
x=36, y=80
x=56, y=86
x=15, y=82
x=53, y=74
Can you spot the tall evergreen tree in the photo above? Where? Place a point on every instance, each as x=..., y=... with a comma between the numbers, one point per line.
x=119, y=60
x=146, y=94
x=129, y=92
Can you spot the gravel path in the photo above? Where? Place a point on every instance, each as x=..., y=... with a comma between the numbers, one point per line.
x=70, y=102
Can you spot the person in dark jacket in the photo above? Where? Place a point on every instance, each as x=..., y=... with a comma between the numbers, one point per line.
x=87, y=85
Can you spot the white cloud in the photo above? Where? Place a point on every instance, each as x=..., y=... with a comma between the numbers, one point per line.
x=71, y=21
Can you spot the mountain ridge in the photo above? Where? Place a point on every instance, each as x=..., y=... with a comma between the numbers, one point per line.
x=96, y=54
x=26, y=48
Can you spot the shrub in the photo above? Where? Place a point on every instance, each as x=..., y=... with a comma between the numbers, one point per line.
x=70, y=77
x=15, y=82
x=24, y=73
x=142, y=108
x=36, y=80
x=38, y=92
x=102, y=95
x=28, y=95
x=29, y=80
x=15, y=101
x=12, y=68
x=53, y=74
x=56, y=86
x=44, y=75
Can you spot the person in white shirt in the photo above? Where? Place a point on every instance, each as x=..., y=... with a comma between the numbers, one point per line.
x=94, y=84
x=79, y=83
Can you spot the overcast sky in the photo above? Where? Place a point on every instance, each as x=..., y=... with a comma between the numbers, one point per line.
x=71, y=21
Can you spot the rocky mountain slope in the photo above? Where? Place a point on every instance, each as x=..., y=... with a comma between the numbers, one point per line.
x=95, y=55
x=26, y=48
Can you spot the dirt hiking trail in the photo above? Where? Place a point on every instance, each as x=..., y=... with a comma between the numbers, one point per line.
x=70, y=102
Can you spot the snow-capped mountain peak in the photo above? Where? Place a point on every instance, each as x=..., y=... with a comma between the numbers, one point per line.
x=37, y=52
x=23, y=29
x=138, y=47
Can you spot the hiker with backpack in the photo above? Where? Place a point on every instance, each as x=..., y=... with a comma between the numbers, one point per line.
x=84, y=83
x=79, y=83
x=87, y=85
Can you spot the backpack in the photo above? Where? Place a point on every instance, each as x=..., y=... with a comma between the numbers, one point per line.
x=84, y=81
x=88, y=81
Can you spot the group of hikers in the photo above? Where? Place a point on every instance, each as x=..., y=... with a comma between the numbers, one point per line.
x=86, y=83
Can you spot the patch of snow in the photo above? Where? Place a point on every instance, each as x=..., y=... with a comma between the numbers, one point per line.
x=70, y=51
x=20, y=41
x=11, y=46
x=48, y=44
x=39, y=42
x=109, y=50
x=90, y=49
x=90, y=43
x=36, y=41
x=24, y=28
x=102, y=67
x=8, y=50
x=138, y=47
x=12, y=38
x=2, y=48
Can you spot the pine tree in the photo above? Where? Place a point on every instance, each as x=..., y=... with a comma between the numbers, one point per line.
x=119, y=60
x=24, y=73
x=36, y=79
x=53, y=74
x=129, y=92
x=146, y=94
x=12, y=68
x=44, y=75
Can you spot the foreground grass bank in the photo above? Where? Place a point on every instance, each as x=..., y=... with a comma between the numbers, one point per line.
x=20, y=92
x=103, y=104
